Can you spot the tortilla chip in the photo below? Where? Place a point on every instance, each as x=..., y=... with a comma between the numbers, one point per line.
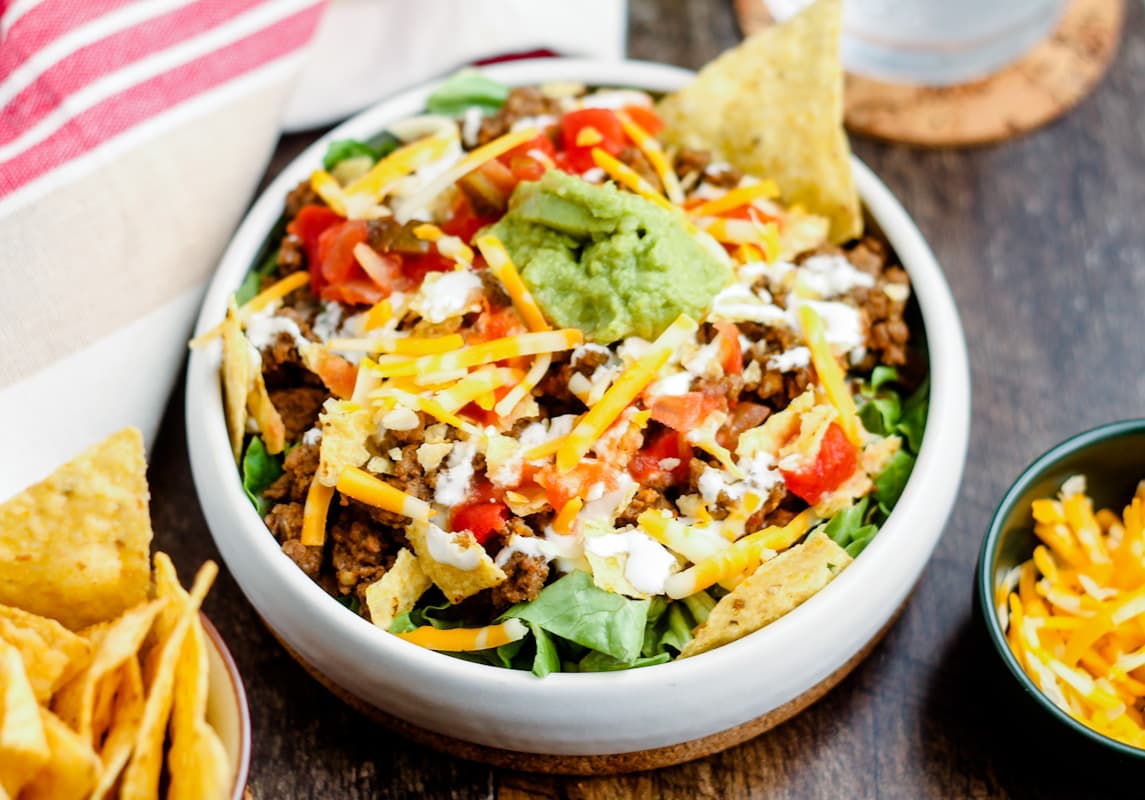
x=118, y=642
x=456, y=584
x=72, y=770
x=397, y=591
x=773, y=107
x=197, y=763
x=141, y=779
x=74, y=547
x=345, y=427
x=128, y=712
x=238, y=371
x=51, y=653
x=777, y=587
x=24, y=745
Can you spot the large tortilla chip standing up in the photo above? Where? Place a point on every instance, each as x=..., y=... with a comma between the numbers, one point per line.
x=773, y=107
x=74, y=547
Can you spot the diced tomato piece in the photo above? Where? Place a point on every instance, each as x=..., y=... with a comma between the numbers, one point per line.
x=338, y=374
x=648, y=120
x=578, y=482
x=731, y=354
x=336, y=250
x=463, y=221
x=540, y=142
x=482, y=518
x=497, y=324
x=749, y=212
x=387, y=272
x=415, y=268
x=645, y=465
x=357, y=292
x=835, y=463
x=606, y=123
x=685, y=412
x=309, y=225
x=527, y=168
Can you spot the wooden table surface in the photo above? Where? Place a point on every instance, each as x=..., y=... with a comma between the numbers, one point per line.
x=1042, y=242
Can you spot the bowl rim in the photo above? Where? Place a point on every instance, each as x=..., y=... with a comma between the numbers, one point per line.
x=892, y=562
x=238, y=690
x=985, y=581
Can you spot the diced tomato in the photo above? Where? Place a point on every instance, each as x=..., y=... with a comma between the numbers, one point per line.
x=336, y=250
x=835, y=463
x=482, y=518
x=685, y=412
x=648, y=120
x=309, y=225
x=387, y=271
x=645, y=465
x=490, y=185
x=578, y=482
x=527, y=168
x=749, y=212
x=539, y=142
x=606, y=123
x=338, y=374
x=357, y=292
x=463, y=221
x=415, y=268
x=496, y=323
x=731, y=354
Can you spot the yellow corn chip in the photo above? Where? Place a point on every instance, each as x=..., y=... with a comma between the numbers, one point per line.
x=24, y=746
x=128, y=712
x=397, y=591
x=345, y=427
x=72, y=769
x=197, y=763
x=141, y=778
x=51, y=653
x=238, y=373
x=74, y=547
x=119, y=641
x=454, y=582
x=773, y=107
x=778, y=586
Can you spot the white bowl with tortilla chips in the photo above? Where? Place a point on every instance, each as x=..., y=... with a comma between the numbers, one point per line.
x=662, y=714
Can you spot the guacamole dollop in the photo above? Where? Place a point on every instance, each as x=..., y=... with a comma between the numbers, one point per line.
x=607, y=262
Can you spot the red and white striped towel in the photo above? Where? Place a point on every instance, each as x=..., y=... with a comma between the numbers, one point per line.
x=132, y=135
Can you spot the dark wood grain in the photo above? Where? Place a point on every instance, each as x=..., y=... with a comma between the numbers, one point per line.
x=1042, y=244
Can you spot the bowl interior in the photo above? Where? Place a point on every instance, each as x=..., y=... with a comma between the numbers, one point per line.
x=227, y=709
x=1112, y=458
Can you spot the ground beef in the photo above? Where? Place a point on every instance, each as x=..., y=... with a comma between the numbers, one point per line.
x=494, y=290
x=359, y=552
x=291, y=255
x=727, y=178
x=692, y=162
x=635, y=158
x=523, y=102
x=300, y=196
x=282, y=365
x=525, y=576
x=413, y=436
x=774, y=388
x=308, y=559
x=298, y=470
x=728, y=386
x=743, y=417
x=553, y=393
x=645, y=498
x=299, y=408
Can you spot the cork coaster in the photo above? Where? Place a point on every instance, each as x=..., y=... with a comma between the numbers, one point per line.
x=1045, y=83
x=597, y=765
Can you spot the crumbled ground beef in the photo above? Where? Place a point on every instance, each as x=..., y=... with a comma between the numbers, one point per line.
x=553, y=392
x=743, y=417
x=525, y=576
x=300, y=196
x=523, y=102
x=774, y=388
x=309, y=559
x=282, y=366
x=692, y=162
x=635, y=158
x=298, y=470
x=645, y=498
x=727, y=178
x=285, y=521
x=299, y=408
x=291, y=255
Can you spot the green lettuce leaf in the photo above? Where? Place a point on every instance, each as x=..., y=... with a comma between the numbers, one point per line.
x=375, y=149
x=881, y=375
x=844, y=525
x=892, y=480
x=260, y=470
x=466, y=89
x=912, y=424
x=251, y=283
x=601, y=662
x=573, y=608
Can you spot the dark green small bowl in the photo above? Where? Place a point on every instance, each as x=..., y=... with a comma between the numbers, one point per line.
x=1112, y=458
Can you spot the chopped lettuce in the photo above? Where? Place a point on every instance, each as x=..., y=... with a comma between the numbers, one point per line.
x=892, y=480
x=574, y=608
x=375, y=149
x=253, y=280
x=260, y=470
x=466, y=89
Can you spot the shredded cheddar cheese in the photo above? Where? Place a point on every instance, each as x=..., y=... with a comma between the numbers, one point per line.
x=314, y=514
x=1074, y=621
x=656, y=157
x=736, y=198
x=276, y=291
x=629, y=178
x=361, y=485
x=519, y=392
x=461, y=640
x=502, y=266
x=400, y=163
x=399, y=345
x=527, y=344
x=830, y=374
x=563, y=521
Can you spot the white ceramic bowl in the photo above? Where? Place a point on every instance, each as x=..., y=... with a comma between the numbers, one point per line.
x=227, y=710
x=601, y=713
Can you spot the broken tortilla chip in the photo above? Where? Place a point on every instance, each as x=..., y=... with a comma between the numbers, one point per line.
x=51, y=653
x=773, y=107
x=431, y=543
x=24, y=746
x=197, y=762
x=778, y=586
x=128, y=711
x=72, y=768
x=74, y=547
x=237, y=376
x=397, y=591
x=141, y=778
